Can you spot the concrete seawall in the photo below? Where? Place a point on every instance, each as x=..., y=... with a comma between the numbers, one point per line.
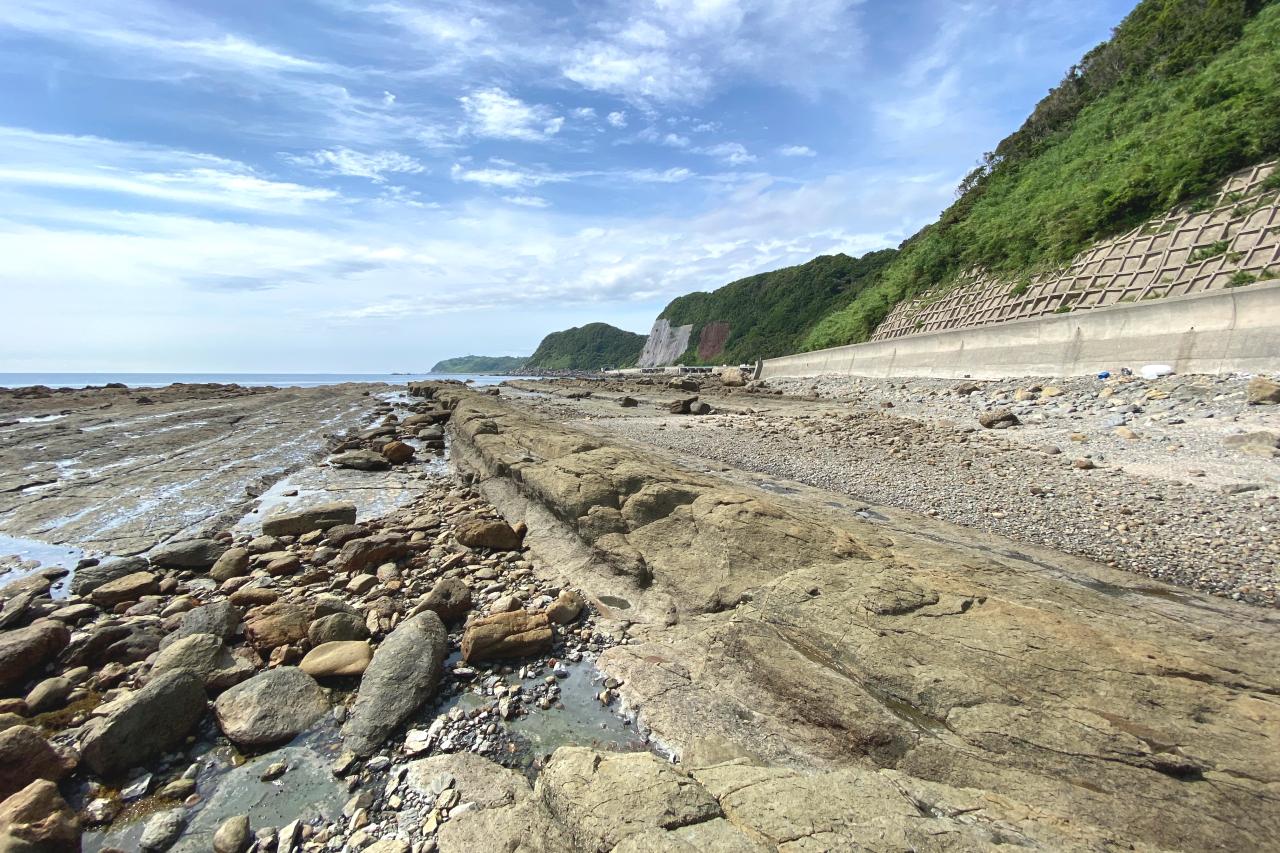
x=1228, y=331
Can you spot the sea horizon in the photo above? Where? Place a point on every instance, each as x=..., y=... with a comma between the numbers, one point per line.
x=279, y=379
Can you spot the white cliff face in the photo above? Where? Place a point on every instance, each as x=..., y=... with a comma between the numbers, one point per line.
x=665, y=344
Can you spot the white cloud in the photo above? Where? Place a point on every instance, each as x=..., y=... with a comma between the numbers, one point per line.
x=797, y=151
x=733, y=153
x=36, y=161
x=344, y=161
x=527, y=200
x=669, y=176
x=618, y=118
x=496, y=114
x=675, y=140
x=508, y=178
x=584, y=113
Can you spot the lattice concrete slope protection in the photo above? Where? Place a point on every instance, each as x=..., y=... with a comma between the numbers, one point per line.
x=1233, y=244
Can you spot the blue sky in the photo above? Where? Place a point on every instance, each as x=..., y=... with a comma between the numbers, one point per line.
x=370, y=185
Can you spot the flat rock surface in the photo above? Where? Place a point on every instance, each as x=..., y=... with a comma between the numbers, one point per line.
x=119, y=476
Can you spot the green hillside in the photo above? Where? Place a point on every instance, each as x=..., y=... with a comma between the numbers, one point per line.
x=481, y=364
x=588, y=347
x=1184, y=93
x=770, y=314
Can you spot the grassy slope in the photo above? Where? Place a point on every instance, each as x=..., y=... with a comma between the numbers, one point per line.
x=588, y=347
x=481, y=364
x=1186, y=92
x=769, y=314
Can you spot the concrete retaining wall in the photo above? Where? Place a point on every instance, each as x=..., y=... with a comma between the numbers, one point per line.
x=1236, y=330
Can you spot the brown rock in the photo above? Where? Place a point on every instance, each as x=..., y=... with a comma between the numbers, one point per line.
x=998, y=419
x=278, y=624
x=506, y=635
x=26, y=756
x=281, y=566
x=128, y=588
x=450, y=598
x=233, y=563
x=254, y=596
x=565, y=608
x=24, y=651
x=38, y=820
x=397, y=452
x=340, y=658
x=1263, y=391
x=487, y=533
x=370, y=551
x=316, y=517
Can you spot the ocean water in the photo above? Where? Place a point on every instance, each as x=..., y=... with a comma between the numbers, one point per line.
x=280, y=380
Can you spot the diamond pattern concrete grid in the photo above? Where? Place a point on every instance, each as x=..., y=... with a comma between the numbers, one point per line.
x=1170, y=256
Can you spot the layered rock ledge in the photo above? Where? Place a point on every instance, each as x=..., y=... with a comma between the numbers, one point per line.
x=971, y=693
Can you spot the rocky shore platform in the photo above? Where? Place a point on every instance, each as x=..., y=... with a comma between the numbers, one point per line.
x=515, y=621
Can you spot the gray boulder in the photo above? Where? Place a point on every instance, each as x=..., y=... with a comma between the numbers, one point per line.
x=207, y=657
x=162, y=830
x=450, y=599
x=24, y=651
x=112, y=568
x=271, y=707
x=220, y=618
x=154, y=720
x=188, y=553
x=404, y=673
x=337, y=627
x=318, y=517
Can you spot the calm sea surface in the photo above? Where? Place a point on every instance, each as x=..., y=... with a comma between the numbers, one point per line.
x=281, y=380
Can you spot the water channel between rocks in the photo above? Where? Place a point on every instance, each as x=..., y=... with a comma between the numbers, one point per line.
x=462, y=718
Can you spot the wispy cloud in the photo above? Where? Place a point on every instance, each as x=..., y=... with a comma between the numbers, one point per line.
x=797, y=151
x=343, y=161
x=496, y=114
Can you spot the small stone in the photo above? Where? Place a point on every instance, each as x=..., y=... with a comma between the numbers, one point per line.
x=162, y=830
x=232, y=835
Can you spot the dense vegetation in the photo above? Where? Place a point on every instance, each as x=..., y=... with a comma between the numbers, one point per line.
x=1184, y=93
x=588, y=347
x=481, y=364
x=770, y=314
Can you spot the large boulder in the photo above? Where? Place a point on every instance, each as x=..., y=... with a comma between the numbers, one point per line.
x=998, y=419
x=341, y=658
x=208, y=657
x=1263, y=391
x=733, y=377
x=337, y=627
x=397, y=452
x=272, y=707
x=187, y=553
x=26, y=756
x=233, y=563
x=404, y=673
x=450, y=599
x=25, y=651
x=128, y=588
x=220, y=618
x=151, y=721
x=360, y=460
x=38, y=820
x=317, y=517
x=359, y=554
x=516, y=634
x=88, y=579
x=488, y=533
x=278, y=624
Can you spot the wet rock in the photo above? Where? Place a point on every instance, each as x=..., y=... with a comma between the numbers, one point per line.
x=998, y=419
x=487, y=533
x=206, y=656
x=397, y=453
x=25, y=651
x=128, y=588
x=233, y=563
x=317, y=517
x=162, y=830
x=220, y=618
x=506, y=635
x=271, y=707
x=565, y=608
x=337, y=627
x=232, y=835
x=359, y=554
x=87, y=580
x=188, y=553
x=1262, y=391
x=151, y=721
x=360, y=460
x=450, y=599
x=403, y=674
x=341, y=658
x=37, y=820
x=278, y=624
x=26, y=756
